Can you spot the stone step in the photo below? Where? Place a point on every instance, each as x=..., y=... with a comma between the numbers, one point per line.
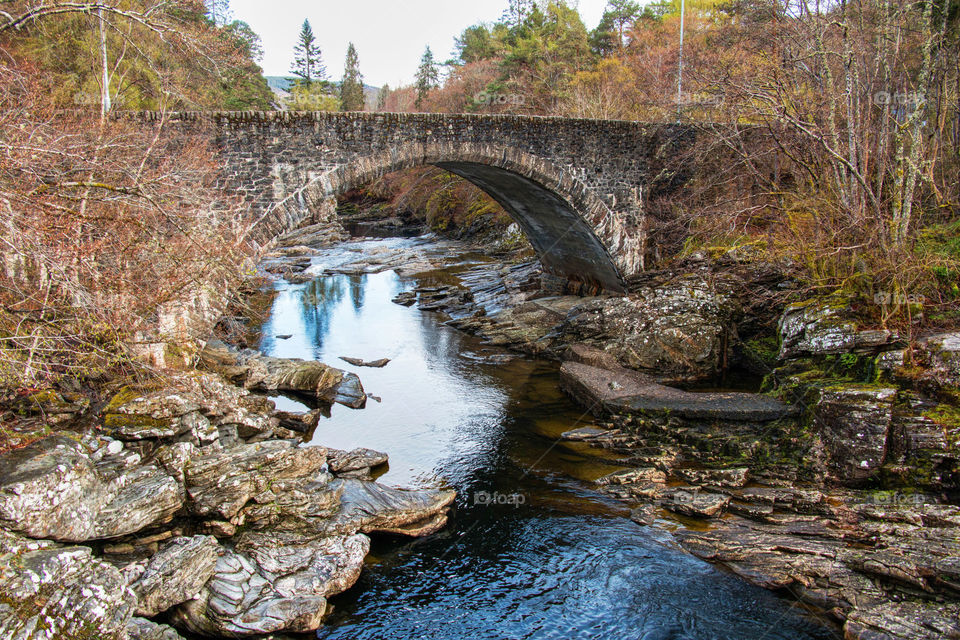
x=623, y=391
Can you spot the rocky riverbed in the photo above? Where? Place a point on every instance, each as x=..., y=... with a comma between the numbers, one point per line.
x=838, y=485
x=192, y=506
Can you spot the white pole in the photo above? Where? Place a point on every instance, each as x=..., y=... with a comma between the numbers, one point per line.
x=105, y=79
x=680, y=69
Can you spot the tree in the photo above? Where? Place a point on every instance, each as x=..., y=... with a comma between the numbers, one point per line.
x=517, y=11
x=151, y=54
x=219, y=12
x=382, y=96
x=428, y=76
x=609, y=36
x=476, y=43
x=307, y=61
x=351, y=87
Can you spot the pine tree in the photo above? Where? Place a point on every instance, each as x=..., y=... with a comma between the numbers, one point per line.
x=307, y=62
x=351, y=88
x=516, y=11
x=428, y=76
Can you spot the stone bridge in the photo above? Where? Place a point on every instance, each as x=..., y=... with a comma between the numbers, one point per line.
x=575, y=187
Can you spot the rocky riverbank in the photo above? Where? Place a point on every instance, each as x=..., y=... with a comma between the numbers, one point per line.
x=194, y=507
x=838, y=485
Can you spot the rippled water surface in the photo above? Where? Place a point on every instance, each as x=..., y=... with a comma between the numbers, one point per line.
x=554, y=559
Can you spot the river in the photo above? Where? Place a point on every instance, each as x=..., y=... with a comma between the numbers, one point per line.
x=532, y=550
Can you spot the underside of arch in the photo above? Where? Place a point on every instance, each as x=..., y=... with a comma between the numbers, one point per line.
x=573, y=232
x=565, y=244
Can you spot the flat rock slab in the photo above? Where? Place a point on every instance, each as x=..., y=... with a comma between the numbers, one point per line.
x=631, y=476
x=624, y=391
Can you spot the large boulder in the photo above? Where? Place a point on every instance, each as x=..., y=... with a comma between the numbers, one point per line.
x=60, y=489
x=50, y=591
x=273, y=582
x=191, y=407
x=680, y=329
x=175, y=574
x=316, y=379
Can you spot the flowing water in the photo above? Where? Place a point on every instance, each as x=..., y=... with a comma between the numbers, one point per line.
x=531, y=551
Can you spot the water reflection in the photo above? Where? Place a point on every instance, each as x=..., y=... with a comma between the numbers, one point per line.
x=566, y=562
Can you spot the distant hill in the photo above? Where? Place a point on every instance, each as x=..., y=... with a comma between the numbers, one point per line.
x=280, y=85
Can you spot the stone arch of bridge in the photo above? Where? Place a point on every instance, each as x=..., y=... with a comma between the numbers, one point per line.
x=573, y=231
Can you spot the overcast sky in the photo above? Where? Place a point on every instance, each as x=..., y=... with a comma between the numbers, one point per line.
x=389, y=34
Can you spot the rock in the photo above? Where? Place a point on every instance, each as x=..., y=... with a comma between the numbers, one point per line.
x=292, y=504
x=695, y=504
x=678, y=329
x=219, y=528
x=55, y=407
x=914, y=620
x=175, y=574
x=585, y=354
x=357, y=362
x=644, y=515
x=300, y=376
x=406, y=298
x=142, y=629
x=49, y=489
x=628, y=392
x=854, y=423
x=793, y=499
x=341, y=461
x=736, y=477
x=187, y=407
x=222, y=483
x=369, y=507
x=935, y=365
x=824, y=326
x=273, y=582
x=584, y=434
x=54, y=489
x=139, y=498
x=62, y=592
x=631, y=476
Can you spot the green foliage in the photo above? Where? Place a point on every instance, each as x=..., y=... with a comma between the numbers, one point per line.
x=477, y=43
x=316, y=96
x=351, y=87
x=146, y=70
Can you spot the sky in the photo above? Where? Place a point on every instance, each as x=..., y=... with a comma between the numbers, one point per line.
x=389, y=35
